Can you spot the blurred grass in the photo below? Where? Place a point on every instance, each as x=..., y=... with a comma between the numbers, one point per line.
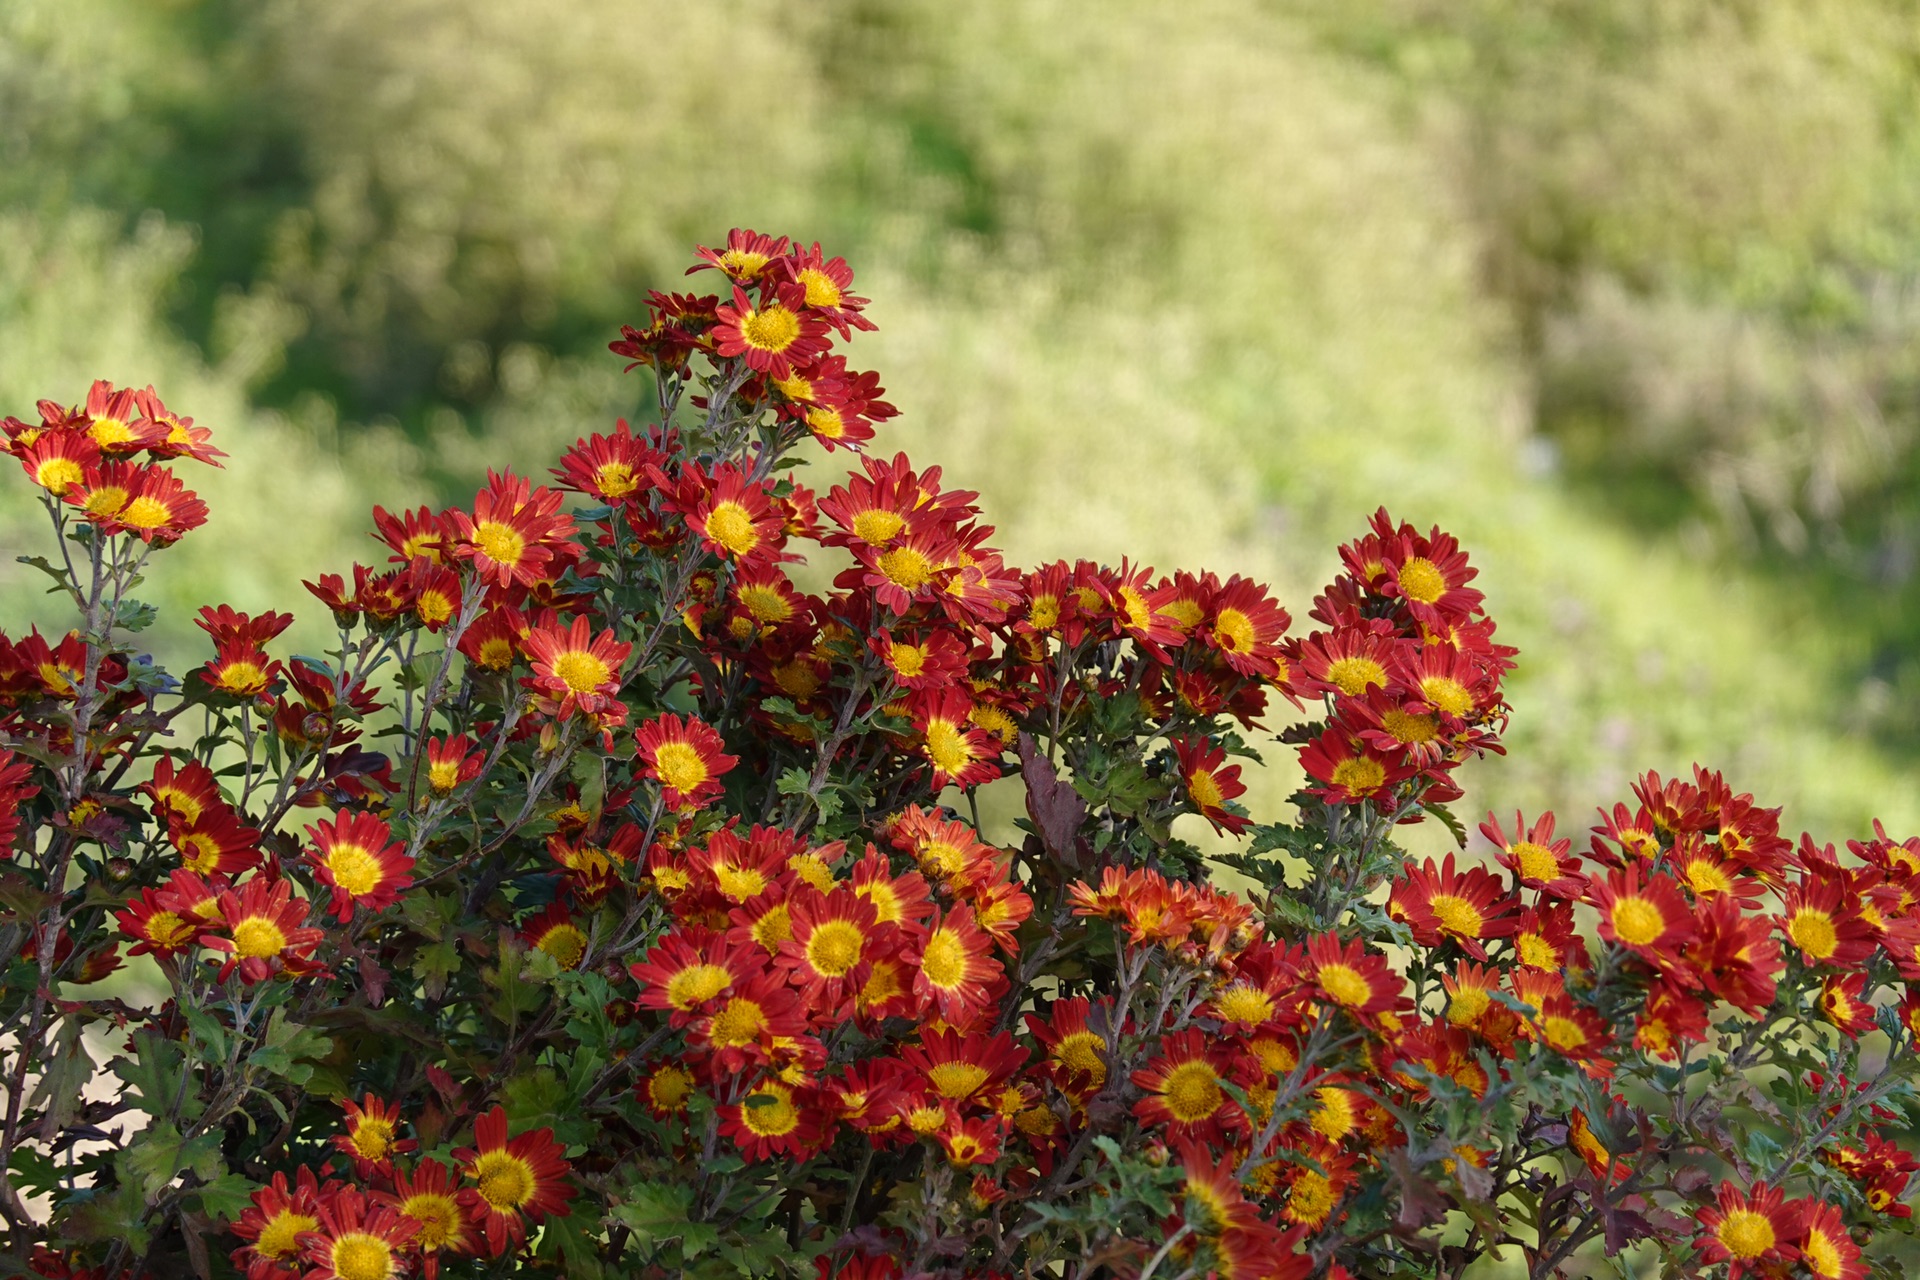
x=1623, y=294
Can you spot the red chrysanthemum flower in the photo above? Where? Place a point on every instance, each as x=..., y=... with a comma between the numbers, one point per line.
x=156, y=925
x=184, y=791
x=733, y=516
x=1816, y=918
x=372, y=1138
x=931, y=660
x=772, y=1119
x=1749, y=1231
x=1352, y=977
x=1428, y=573
x=576, y=667
x=1644, y=912
x=1348, y=661
x=59, y=460
x=554, y=931
x=148, y=502
x=452, y=762
x=1600, y=1160
x=1182, y=1087
x=273, y=1224
x=961, y=755
x=1351, y=770
x=953, y=970
x=611, y=468
x=773, y=336
x=828, y=955
x=1536, y=859
x=1438, y=902
x=1842, y=1003
x=515, y=1179
x=686, y=757
x=746, y=258
x=429, y=1198
x=357, y=858
x=1827, y=1249
x=972, y=1141
x=964, y=1070
x=356, y=1239
x=746, y=1025
x=1211, y=782
x=263, y=931
x=1245, y=626
x=217, y=844
x=828, y=286
x=511, y=535
x=115, y=421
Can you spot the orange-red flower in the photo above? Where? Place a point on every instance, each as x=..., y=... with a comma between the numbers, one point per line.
x=745, y=259
x=554, y=931
x=263, y=931
x=579, y=669
x=772, y=336
x=452, y=762
x=828, y=288
x=1469, y=907
x=773, y=1119
x=156, y=925
x=1182, y=1088
x=59, y=460
x=1211, y=782
x=1827, y=1248
x=971, y=1141
x=372, y=1137
x=754, y=1017
x=1536, y=859
x=514, y=1179
x=686, y=757
x=1595, y=1154
x=1842, y=1003
x=1075, y=1052
x=357, y=1239
x=217, y=843
x=273, y=1224
x=241, y=669
x=1645, y=913
x=960, y=755
x=147, y=502
x=1245, y=626
x=1352, y=977
x=1749, y=1231
x=952, y=968
x=921, y=661
x=1816, y=918
x=357, y=858
x=510, y=537
x=1351, y=770
x=429, y=1198
x=830, y=952
x=185, y=791
x=686, y=971
x=964, y=1070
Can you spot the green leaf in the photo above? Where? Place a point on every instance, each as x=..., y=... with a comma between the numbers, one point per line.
x=659, y=1213
x=226, y=1196
x=434, y=963
x=154, y=1075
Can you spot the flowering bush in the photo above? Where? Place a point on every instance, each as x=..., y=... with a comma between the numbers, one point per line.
x=604, y=902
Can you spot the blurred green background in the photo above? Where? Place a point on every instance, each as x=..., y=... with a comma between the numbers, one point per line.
x=1626, y=294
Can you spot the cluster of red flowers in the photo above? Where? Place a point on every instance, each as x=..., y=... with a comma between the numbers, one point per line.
x=87, y=456
x=397, y=1213
x=1409, y=662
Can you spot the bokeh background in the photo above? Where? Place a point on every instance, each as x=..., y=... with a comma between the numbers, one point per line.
x=1625, y=293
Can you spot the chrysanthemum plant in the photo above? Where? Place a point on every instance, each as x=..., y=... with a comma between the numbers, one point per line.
x=602, y=902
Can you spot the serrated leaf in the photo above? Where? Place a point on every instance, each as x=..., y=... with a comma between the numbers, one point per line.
x=226, y=1196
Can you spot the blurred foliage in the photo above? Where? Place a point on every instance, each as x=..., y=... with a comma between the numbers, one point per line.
x=1627, y=294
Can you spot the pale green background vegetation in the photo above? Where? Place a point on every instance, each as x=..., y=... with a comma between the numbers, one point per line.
x=1626, y=294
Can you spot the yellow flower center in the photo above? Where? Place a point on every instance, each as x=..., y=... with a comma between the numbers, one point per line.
x=1746, y=1234
x=506, y=1181
x=433, y=607
x=1813, y=932
x=615, y=479
x=696, y=984
x=1536, y=952
x=1044, y=612
x=108, y=432
x=908, y=659
x=1821, y=1255
x=565, y=943
x=106, y=500
x=443, y=775
x=795, y=388
x=1353, y=675
x=242, y=677
x=773, y=928
x=257, y=937
x=945, y=960
x=1447, y=694
x=1407, y=727
x=821, y=290
x=773, y=1118
x=739, y=883
x=1080, y=1052
x=145, y=513
x=739, y=1024
x=834, y=948
x=354, y=869
x=1192, y=1092
x=1421, y=580
x=681, y=766
x=1535, y=861
x=438, y=1216
x=772, y=328
x=877, y=525
x=905, y=567
x=499, y=542
x=1563, y=1033
x=669, y=1087
x=886, y=903
x=766, y=604
x=167, y=929
x=1359, y=774
x=1139, y=613
x=1456, y=915
x=957, y=1079
x=1234, y=630
x=1335, y=1115
x=1465, y=1006
x=281, y=1235
x=886, y=982
x=730, y=525
x=1345, y=984
x=360, y=1256
x=948, y=748
x=1309, y=1198
x=496, y=653
x=826, y=422
x=581, y=671
x=1204, y=790
x=1637, y=921
x=743, y=263
x=372, y=1138
x=1249, y=1006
